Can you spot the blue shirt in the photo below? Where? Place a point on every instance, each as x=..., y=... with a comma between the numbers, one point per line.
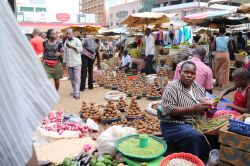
x=222, y=43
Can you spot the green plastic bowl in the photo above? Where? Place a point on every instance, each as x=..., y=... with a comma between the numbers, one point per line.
x=139, y=158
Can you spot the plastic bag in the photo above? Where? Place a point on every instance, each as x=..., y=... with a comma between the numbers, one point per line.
x=151, y=78
x=106, y=141
x=114, y=95
x=150, y=110
x=213, y=157
x=92, y=124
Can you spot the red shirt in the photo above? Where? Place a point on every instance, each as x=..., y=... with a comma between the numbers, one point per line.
x=37, y=44
x=240, y=98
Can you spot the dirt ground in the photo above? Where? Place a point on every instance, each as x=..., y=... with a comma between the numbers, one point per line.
x=96, y=95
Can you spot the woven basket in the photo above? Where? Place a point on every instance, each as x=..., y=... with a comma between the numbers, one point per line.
x=215, y=131
x=186, y=156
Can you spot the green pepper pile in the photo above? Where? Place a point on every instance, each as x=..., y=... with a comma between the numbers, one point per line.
x=68, y=162
x=130, y=146
x=208, y=124
x=105, y=160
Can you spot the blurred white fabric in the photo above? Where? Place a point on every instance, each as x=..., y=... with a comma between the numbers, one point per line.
x=26, y=94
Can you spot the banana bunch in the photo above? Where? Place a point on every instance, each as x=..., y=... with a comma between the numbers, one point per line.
x=242, y=53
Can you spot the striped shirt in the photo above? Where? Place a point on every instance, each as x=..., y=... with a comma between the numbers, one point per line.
x=26, y=95
x=176, y=95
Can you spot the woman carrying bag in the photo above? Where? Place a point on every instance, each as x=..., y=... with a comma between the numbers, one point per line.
x=52, y=52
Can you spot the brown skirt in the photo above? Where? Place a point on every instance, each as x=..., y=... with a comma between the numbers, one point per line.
x=222, y=67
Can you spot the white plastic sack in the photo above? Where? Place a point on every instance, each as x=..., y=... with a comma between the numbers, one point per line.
x=114, y=95
x=92, y=124
x=150, y=78
x=106, y=141
x=149, y=108
x=213, y=157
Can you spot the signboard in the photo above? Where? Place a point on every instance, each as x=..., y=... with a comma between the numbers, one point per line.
x=55, y=17
x=63, y=17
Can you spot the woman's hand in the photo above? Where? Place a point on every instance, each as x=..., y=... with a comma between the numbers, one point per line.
x=201, y=107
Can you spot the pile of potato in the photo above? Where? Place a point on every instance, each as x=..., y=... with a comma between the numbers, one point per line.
x=136, y=90
x=153, y=92
x=169, y=60
x=129, y=88
x=90, y=112
x=122, y=104
x=148, y=125
x=134, y=109
x=162, y=73
x=110, y=111
x=107, y=83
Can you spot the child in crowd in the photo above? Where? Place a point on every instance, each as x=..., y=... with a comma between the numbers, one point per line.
x=241, y=101
x=126, y=61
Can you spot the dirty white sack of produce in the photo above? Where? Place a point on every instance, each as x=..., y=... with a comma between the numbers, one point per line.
x=106, y=141
x=92, y=124
x=114, y=95
x=150, y=78
x=149, y=108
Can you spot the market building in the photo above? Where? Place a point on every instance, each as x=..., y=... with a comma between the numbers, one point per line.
x=120, y=12
x=183, y=9
x=42, y=14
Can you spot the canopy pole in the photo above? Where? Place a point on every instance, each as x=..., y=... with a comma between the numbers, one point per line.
x=210, y=58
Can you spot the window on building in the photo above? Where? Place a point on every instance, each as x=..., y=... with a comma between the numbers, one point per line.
x=133, y=11
x=122, y=14
x=111, y=24
x=189, y=1
x=39, y=9
x=117, y=23
x=26, y=9
x=111, y=15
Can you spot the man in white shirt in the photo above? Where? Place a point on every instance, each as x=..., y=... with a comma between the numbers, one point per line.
x=72, y=59
x=149, y=51
x=126, y=61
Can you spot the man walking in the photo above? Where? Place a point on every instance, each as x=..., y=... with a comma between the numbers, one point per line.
x=204, y=75
x=72, y=59
x=89, y=54
x=149, y=52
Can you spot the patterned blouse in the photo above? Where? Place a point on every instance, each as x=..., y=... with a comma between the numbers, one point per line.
x=176, y=95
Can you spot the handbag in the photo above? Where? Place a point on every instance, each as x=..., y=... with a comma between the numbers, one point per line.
x=51, y=63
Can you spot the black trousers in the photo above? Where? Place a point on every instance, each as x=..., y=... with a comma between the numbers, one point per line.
x=87, y=66
x=149, y=65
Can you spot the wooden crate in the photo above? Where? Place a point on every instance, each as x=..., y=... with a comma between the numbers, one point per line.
x=234, y=157
x=221, y=163
x=235, y=140
x=235, y=148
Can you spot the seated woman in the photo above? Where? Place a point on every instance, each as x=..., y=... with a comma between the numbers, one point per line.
x=183, y=100
x=136, y=57
x=241, y=101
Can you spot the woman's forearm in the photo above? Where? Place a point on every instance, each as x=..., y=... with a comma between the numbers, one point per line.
x=239, y=109
x=181, y=110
